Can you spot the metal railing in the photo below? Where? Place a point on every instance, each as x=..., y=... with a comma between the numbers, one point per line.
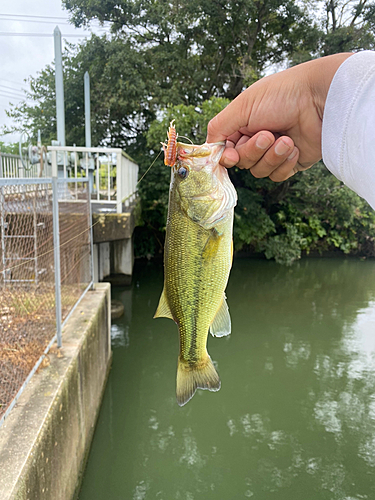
x=11, y=167
x=112, y=174
x=46, y=268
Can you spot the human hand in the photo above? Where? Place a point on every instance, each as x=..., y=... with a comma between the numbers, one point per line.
x=274, y=127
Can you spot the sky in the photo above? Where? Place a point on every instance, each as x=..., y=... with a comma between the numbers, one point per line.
x=24, y=56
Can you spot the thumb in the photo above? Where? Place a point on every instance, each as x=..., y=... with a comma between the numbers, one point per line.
x=231, y=119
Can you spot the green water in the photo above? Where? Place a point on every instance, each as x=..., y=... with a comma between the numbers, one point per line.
x=295, y=417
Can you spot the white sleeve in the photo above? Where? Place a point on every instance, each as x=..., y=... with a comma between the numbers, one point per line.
x=348, y=133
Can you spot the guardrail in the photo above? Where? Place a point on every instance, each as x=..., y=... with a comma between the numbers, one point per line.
x=11, y=167
x=112, y=174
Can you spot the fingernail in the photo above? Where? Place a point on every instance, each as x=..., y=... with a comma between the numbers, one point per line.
x=293, y=154
x=281, y=148
x=263, y=141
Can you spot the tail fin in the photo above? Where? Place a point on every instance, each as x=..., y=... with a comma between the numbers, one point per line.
x=190, y=378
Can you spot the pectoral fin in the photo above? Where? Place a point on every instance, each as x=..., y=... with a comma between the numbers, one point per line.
x=221, y=324
x=163, y=310
x=212, y=244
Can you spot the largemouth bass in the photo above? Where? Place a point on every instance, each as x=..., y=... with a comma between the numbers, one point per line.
x=197, y=258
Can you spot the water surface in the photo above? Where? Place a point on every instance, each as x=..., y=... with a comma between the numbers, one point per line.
x=295, y=417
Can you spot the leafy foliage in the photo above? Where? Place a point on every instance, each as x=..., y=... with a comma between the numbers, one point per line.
x=312, y=212
x=349, y=26
x=200, y=48
x=12, y=148
x=118, y=97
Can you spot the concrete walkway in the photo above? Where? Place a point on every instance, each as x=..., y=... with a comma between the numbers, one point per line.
x=46, y=438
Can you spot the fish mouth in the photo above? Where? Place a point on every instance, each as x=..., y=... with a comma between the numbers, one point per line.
x=195, y=146
x=194, y=151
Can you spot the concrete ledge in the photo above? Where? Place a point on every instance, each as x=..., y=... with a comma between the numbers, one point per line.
x=112, y=227
x=46, y=438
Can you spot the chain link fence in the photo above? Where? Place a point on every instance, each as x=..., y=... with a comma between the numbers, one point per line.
x=45, y=269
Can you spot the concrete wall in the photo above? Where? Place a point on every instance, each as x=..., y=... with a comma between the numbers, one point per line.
x=113, y=246
x=114, y=261
x=46, y=438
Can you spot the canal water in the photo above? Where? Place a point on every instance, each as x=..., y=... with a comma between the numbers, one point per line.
x=295, y=416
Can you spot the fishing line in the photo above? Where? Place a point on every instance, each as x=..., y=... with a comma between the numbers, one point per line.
x=187, y=138
x=49, y=251
x=149, y=168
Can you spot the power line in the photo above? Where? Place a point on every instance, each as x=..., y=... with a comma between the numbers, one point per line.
x=42, y=17
x=31, y=21
x=44, y=22
x=12, y=89
x=9, y=96
x=16, y=104
x=10, y=81
x=8, y=92
x=8, y=33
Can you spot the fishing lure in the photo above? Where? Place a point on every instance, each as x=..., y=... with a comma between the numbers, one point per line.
x=170, y=149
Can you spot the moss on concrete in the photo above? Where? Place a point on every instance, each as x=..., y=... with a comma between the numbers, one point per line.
x=113, y=226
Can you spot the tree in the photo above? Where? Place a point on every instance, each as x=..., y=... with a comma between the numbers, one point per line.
x=349, y=25
x=12, y=148
x=181, y=59
x=341, y=26
x=118, y=98
x=210, y=48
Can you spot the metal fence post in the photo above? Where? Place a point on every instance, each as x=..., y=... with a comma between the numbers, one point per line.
x=56, y=247
x=54, y=164
x=119, y=182
x=128, y=183
x=91, y=238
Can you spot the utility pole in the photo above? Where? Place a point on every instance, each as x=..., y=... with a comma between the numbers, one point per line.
x=59, y=83
x=87, y=110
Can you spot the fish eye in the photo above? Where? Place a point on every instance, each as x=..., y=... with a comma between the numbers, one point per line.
x=183, y=172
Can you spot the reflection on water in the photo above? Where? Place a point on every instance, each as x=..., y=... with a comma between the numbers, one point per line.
x=295, y=417
x=119, y=336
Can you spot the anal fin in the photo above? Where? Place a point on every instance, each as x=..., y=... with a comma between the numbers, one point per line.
x=221, y=324
x=163, y=310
